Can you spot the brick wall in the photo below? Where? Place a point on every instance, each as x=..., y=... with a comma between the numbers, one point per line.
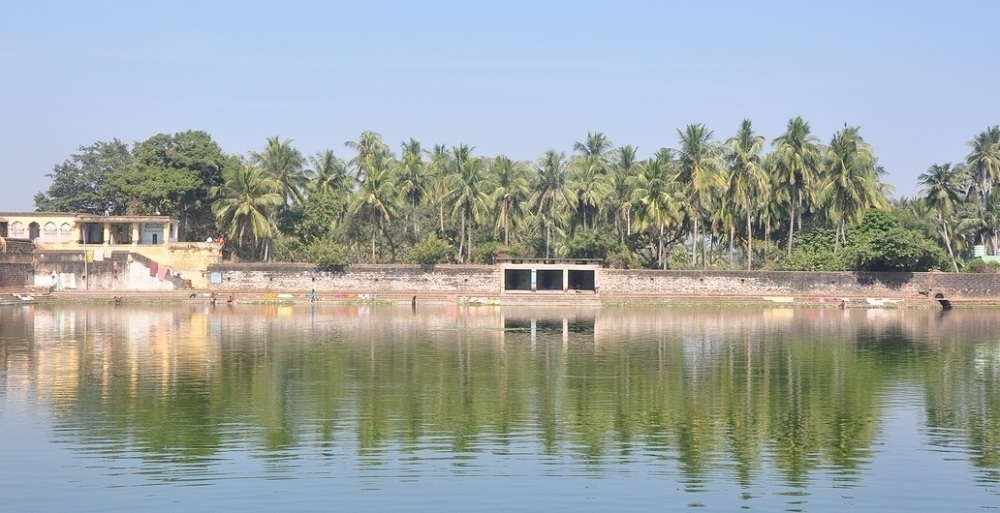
x=16, y=264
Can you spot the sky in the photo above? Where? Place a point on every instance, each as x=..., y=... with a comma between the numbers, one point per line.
x=511, y=77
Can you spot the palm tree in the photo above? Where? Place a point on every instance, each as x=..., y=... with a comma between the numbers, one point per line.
x=511, y=187
x=377, y=199
x=551, y=195
x=851, y=185
x=590, y=185
x=468, y=195
x=799, y=161
x=748, y=181
x=984, y=159
x=284, y=164
x=413, y=179
x=370, y=152
x=657, y=195
x=698, y=171
x=437, y=169
x=942, y=186
x=327, y=174
x=622, y=170
x=245, y=203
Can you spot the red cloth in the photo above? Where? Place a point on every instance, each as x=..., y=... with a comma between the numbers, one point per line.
x=152, y=268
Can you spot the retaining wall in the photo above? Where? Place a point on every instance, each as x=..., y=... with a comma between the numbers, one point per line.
x=478, y=280
x=16, y=264
x=469, y=280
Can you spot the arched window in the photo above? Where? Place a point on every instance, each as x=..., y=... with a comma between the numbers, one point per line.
x=49, y=234
x=17, y=230
x=65, y=232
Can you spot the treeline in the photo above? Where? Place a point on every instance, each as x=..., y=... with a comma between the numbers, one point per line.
x=707, y=203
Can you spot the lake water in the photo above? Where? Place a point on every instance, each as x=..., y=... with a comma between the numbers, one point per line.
x=446, y=409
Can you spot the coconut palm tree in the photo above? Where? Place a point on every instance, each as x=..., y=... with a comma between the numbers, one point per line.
x=244, y=205
x=370, y=151
x=983, y=162
x=941, y=189
x=327, y=174
x=413, y=180
x=851, y=182
x=468, y=195
x=748, y=182
x=799, y=162
x=699, y=172
x=284, y=163
x=659, y=199
x=623, y=169
x=551, y=194
x=511, y=187
x=377, y=199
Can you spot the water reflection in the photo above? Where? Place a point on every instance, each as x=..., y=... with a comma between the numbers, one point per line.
x=747, y=396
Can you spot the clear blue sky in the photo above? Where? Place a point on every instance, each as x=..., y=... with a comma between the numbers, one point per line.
x=514, y=77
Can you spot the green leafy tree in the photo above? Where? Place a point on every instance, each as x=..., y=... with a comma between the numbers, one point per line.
x=881, y=243
x=173, y=175
x=80, y=185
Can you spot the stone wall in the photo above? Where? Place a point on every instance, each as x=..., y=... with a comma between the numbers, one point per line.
x=481, y=280
x=463, y=280
x=16, y=264
x=622, y=283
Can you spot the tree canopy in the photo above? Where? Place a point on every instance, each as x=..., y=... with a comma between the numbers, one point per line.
x=726, y=203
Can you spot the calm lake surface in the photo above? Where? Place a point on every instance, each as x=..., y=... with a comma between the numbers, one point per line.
x=446, y=409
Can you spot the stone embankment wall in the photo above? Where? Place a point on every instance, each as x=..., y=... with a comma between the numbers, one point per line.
x=461, y=280
x=16, y=264
x=613, y=284
x=625, y=283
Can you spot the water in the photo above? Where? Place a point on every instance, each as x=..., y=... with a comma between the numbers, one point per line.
x=351, y=408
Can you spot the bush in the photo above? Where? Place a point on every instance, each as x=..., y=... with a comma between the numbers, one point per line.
x=429, y=250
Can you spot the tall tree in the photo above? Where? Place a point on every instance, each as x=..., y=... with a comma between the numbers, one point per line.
x=283, y=163
x=851, y=184
x=245, y=204
x=941, y=188
x=551, y=194
x=799, y=161
x=468, y=195
x=80, y=183
x=699, y=172
x=377, y=200
x=983, y=161
x=511, y=187
x=370, y=151
x=659, y=198
x=413, y=180
x=623, y=169
x=748, y=182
